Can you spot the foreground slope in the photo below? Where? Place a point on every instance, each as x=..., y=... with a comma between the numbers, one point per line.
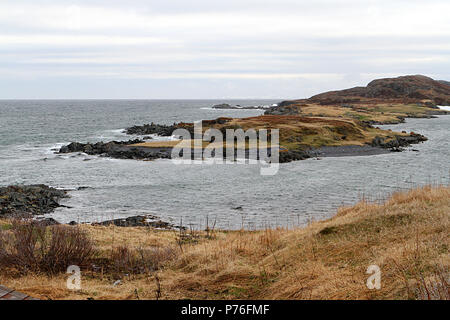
x=407, y=236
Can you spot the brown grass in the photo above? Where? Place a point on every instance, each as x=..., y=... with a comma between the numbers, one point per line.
x=407, y=237
x=318, y=125
x=370, y=111
x=304, y=132
x=296, y=131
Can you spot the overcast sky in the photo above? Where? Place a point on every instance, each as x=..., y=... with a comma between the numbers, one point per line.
x=215, y=49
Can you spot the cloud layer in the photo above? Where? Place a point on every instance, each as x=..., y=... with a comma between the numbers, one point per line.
x=215, y=49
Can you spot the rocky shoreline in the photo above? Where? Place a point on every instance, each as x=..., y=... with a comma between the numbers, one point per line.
x=139, y=221
x=128, y=149
x=345, y=151
x=429, y=115
x=29, y=200
x=399, y=141
x=35, y=201
x=379, y=145
x=117, y=150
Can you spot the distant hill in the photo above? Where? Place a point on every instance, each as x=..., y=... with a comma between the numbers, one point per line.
x=445, y=82
x=415, y=88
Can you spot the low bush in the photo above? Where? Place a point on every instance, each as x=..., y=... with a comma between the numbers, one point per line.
x=29, y=246
x=140, y=260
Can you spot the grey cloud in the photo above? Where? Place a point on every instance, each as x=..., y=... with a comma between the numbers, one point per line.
x=176, y=49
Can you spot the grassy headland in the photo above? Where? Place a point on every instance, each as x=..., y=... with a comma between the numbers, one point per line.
x=299, y=132
x=343, y=119
x=346, y=117
x=406, y=236
x=374, y=112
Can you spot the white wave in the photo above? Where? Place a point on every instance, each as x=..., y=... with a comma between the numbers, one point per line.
x=31, y=152
x=156, y=137
x=50, y=150
x=446, y=108
x=239, y=108
x=117, y=131
x=113, y=134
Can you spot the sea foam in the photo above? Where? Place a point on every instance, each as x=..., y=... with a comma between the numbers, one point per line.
x=446, y=108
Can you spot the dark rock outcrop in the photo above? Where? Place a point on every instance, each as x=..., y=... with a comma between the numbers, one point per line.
x=95, y=148
x=159, y=129
x=398, y=142
x=283, y=108
x=138, y=221
x=127, y=152
x=294, y=155
x=118, y=150
x=152, y=128
x=223, y=106
x=29, y=200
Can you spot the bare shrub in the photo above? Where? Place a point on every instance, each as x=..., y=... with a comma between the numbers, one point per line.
x=435, y=287
x=140, y=260
x=122, y=259
x=30, y=246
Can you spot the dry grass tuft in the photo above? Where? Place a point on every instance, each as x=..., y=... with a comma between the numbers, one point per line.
x=140, y=260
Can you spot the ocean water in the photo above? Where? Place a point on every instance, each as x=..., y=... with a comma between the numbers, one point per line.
x=231, y=195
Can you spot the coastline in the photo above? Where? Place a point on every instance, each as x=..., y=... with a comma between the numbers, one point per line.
x=315, y=130
x=348, y=151
x=162, y=208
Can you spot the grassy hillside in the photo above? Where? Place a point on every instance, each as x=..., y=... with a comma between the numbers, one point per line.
x=313, y=132
x=407, y=237
x=386, y=113
x=300, y=132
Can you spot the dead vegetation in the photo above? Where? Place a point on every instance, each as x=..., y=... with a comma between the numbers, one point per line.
x=296, y=131
x=28, y=246
x=371, y=111
x=406, y=236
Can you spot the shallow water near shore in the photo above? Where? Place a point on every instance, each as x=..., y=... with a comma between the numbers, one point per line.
x=233, y=195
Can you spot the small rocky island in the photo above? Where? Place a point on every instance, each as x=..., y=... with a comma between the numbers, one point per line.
x=35, y=201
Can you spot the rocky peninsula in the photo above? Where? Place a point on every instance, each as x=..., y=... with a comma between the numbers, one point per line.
x=118, y=150
x=329, y=124
x=382, y=101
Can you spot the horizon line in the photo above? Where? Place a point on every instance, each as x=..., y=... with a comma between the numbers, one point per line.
x=56, y=99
